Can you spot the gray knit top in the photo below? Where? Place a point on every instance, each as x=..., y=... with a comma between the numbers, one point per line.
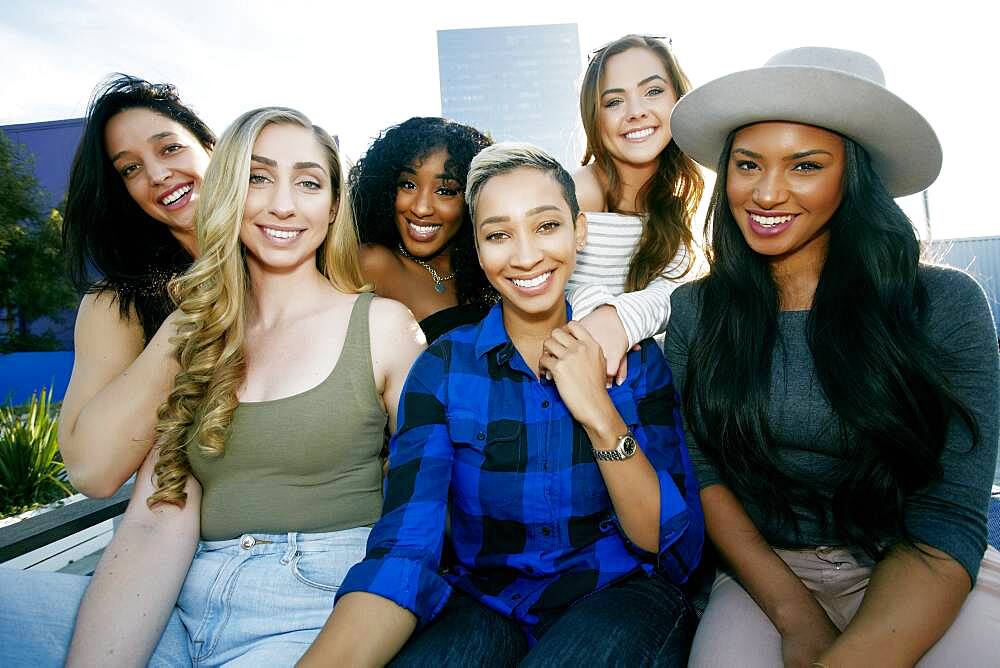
x=948, y=514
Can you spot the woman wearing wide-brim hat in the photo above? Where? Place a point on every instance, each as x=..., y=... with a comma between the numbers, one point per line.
x=840, y=396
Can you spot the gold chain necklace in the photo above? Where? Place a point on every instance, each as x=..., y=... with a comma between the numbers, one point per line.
x=438, y=278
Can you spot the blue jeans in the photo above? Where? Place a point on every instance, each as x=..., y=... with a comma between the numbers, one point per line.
x=643, y=620
x=254, y=601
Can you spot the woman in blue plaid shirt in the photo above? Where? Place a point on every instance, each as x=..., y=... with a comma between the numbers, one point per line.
x=574, y=508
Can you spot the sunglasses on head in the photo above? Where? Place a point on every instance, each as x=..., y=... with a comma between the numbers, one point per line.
x=598, y=50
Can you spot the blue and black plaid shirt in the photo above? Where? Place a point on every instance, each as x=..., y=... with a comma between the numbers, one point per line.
x=532, y=524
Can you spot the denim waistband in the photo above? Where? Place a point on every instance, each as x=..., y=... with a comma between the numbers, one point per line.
x=264, y=543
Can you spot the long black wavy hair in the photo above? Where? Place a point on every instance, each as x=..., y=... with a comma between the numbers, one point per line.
x=373, y=189
x=104, y=229
x=876, y=366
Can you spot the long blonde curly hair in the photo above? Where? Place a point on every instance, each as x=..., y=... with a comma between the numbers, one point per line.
x=213, y=299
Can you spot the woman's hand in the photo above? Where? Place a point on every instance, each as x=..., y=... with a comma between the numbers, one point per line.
x=807, y=640
x=604, y=325
x=574, y=360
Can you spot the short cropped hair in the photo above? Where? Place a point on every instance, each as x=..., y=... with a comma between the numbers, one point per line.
x=505, y=157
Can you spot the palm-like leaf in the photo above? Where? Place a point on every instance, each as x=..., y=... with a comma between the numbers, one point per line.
x=31, y=469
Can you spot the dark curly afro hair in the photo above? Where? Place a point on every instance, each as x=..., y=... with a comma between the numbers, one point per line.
x=372, y=182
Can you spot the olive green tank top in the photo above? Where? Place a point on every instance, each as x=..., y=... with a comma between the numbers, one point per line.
x=309, y=462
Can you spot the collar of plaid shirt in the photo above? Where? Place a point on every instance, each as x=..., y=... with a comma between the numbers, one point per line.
x=532, y=526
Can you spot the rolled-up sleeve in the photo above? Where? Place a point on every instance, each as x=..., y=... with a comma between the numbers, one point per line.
x=645, y=313
x=404, y=548
x=660, y=434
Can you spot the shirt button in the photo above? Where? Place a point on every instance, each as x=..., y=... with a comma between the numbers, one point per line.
x=546, y=531
x=545, y=404
x=480, y=436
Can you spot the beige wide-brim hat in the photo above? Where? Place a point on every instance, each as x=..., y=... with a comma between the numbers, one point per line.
x=843, y=91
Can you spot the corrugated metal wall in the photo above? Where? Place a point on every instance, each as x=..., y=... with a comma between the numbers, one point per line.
x=980, y=257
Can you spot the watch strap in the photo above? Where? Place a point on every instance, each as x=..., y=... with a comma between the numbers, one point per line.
x=619, y=453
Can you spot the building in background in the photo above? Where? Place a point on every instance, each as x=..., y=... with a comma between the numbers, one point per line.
x=52, y=145
x=980, y=257
x=519, y=83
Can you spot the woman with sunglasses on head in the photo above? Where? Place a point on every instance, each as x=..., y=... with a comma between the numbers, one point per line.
x=574, y=511
x=408, y=192
x=840, y=395
x=278, y=413
x=639, y=192
x=133, y=190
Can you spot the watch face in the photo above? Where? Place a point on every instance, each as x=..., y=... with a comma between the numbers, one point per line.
x=628, y=446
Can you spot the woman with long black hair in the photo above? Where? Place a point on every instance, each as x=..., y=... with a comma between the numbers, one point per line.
x=840, y=395
x=268, y=444
x=133, y=190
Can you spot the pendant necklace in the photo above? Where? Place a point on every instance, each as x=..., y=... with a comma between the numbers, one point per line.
x=438, y=278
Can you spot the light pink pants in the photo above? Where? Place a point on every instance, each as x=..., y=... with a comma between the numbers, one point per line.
x=734, y=631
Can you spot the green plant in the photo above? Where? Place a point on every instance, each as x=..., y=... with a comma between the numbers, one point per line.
x=31, y=469
x=33, y=282
x=26, y=343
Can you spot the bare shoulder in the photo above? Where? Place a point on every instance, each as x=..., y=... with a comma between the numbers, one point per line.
x=589, y=189
x=391, y=319
x=377, y=261
x=98, y=304
x=99, y=324
x=104, y=345
x=396, y=338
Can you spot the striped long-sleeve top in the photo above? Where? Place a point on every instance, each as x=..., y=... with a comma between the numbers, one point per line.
x=601, y=268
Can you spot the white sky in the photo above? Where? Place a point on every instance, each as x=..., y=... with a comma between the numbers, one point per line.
x=373, y=64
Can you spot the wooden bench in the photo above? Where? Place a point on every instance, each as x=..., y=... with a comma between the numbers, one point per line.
x=68, y=538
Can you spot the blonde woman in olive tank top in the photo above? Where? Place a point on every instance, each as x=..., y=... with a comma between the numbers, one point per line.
x=290, y=373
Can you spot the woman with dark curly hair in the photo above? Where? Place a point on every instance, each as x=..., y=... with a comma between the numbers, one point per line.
x=133, y=189
x=408, y=193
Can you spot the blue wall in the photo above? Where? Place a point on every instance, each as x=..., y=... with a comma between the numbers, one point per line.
x=21, y=374
x=53, y=144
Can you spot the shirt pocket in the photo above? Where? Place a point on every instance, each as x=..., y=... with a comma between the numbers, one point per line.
x=490, y=463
